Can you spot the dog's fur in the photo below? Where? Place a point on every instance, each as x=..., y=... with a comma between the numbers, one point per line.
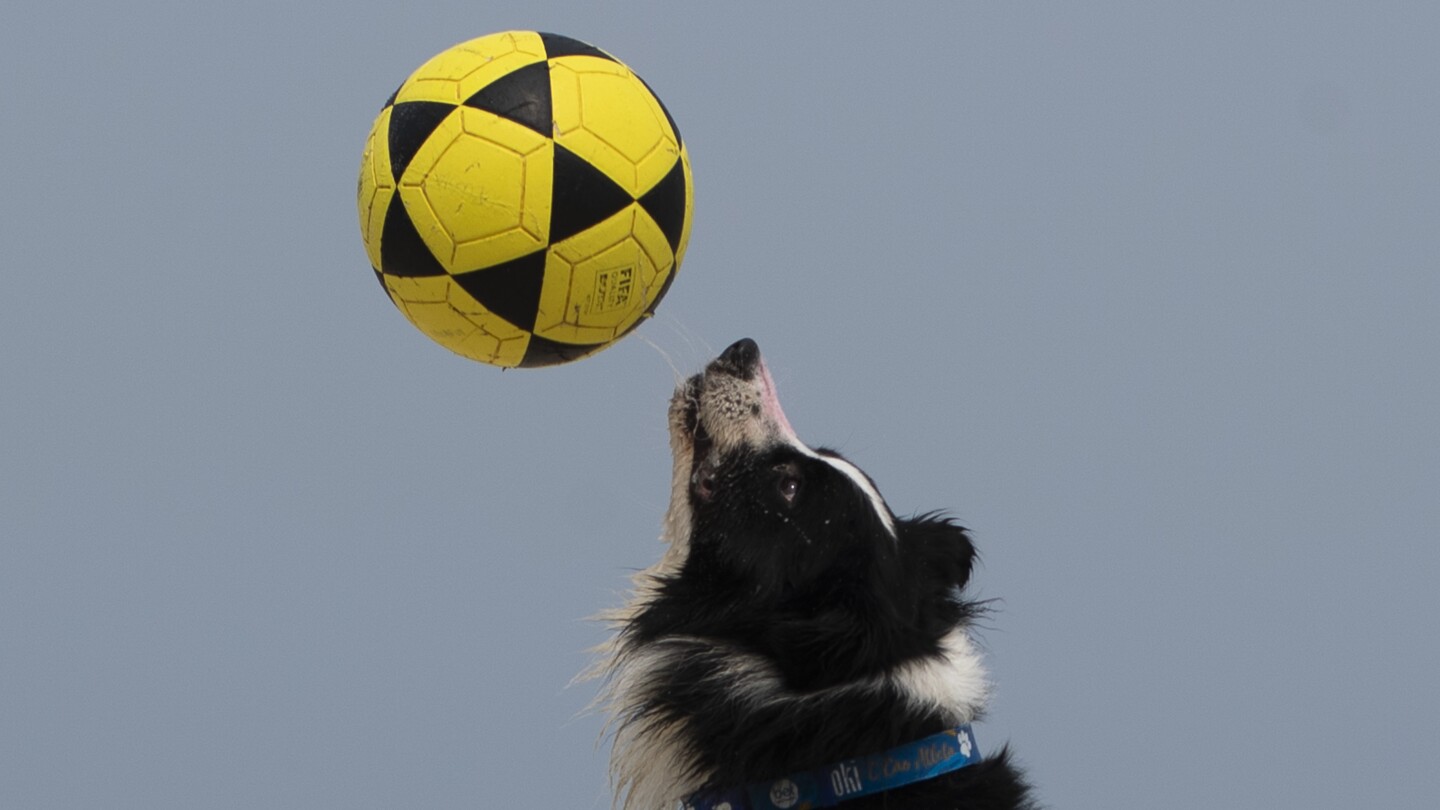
x=793, y=622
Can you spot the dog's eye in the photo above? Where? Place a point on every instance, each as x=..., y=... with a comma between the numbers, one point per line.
x=789, y=488
x=703, y=482
x=787, y=482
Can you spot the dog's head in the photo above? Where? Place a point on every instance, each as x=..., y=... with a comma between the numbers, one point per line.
x=794, y=619
x=749, y=496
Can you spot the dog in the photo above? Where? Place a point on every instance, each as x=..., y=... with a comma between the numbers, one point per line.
x=797, y=645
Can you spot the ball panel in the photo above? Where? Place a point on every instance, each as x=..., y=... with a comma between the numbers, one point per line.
x=402, y=251
x=411, y=192
x=522, y=96
x=406, y=290
x=656, y=273
x=661, y=258
x=376, y=187
x=510, y=290
x=494, y=340
x=479, y=191
x=488, y=348
x=668, y=204
x=559, y=45
x=458, y=72
x=669, y=119
x=506, y=353
x=599, y=282
x=605, y=114
x=449, y=316
x=583, y=196
x=412, y=124
x=689, y=219
x=541, y=352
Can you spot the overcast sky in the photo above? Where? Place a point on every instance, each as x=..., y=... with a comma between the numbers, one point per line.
x=1144, y=294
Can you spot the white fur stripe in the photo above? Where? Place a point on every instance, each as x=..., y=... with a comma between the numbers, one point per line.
x=861, y=481
x=877, y=502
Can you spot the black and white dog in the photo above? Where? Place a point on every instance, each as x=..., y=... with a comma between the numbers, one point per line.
x=798, y=645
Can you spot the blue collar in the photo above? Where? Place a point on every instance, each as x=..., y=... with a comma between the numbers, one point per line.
x=829, y=785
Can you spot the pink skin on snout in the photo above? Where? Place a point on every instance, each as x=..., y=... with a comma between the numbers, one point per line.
x=770, y=404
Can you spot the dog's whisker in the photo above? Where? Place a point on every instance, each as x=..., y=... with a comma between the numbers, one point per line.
x=691, y=339
x=670, y=361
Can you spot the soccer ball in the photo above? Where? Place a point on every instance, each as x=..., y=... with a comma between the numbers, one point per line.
x=525, y=199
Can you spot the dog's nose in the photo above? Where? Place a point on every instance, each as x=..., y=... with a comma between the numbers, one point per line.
x=742, y=355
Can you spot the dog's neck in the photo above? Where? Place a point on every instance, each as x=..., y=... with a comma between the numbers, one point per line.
x=658, y=757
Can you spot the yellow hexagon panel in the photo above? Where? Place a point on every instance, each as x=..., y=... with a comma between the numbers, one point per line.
x=478, y=190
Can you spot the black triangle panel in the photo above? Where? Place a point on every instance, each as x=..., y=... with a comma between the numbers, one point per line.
x=545, y=352
x=522, y=96
x=391, y=100
x=411, y=122
x=583, y=196
x=510, y=289
x=402, y=251
x=557, y=45
x=665, y=203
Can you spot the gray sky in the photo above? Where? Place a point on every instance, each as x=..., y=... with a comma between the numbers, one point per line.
x=1144, y=294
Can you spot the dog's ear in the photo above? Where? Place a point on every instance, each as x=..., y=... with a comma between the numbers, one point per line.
x=940, y=550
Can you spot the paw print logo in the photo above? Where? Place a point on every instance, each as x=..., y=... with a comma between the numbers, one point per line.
x=784, y=794
x=964, y=739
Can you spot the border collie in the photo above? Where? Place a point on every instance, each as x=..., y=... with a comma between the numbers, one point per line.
x=798, y=645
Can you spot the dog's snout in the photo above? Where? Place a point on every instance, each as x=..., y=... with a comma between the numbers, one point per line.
x=742, y=356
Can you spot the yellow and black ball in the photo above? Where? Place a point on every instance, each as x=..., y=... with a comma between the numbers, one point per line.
x=525, y=199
